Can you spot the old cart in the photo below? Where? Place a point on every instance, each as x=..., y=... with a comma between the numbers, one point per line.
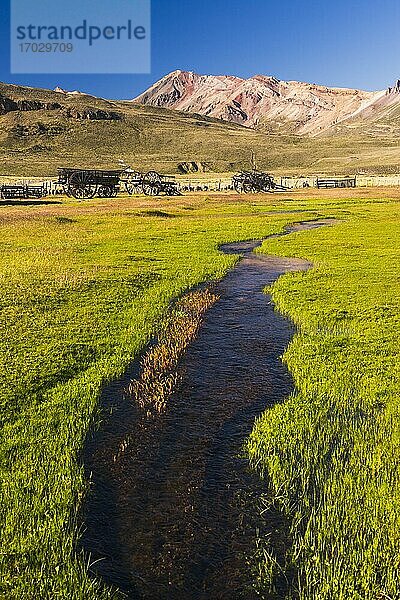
x=22, y=192
x=88, y=183
x=150, y=183
x=255, y=181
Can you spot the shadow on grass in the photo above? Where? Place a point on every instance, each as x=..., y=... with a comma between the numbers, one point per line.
x=29, y=202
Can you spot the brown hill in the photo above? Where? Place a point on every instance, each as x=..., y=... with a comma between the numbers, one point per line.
x=43, y=129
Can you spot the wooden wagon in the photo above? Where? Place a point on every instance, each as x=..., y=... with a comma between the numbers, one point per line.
x=255, y=181
x=150, y=183
x=88, y=183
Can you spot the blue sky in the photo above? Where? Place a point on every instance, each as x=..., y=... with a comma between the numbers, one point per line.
x=338, y=43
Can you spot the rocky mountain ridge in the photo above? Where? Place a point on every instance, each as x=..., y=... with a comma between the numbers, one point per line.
x=263, y=101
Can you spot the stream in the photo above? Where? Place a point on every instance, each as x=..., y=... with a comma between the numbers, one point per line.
x=176, y=517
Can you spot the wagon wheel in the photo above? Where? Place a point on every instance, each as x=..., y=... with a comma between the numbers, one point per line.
x=152, y=184
x=81, y=185
x=107, y=191
x=133, y=183
x=249, y=187
x=133, y=188
x=239, y=186
x=268, y=185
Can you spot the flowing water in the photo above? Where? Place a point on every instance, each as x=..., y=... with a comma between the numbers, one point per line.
x=174, y=515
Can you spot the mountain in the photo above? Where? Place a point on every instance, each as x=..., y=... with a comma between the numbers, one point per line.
x=60, y=90
x=41, y=130
x=259, y=102
x=379, y=118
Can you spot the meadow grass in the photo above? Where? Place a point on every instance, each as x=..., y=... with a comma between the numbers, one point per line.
x=83, y=288
x=331, y=452
x=81, y=294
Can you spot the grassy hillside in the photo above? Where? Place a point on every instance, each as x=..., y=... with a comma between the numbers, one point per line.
x=41, y=130
x=37, y=141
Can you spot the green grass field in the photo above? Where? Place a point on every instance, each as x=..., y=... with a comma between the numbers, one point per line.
x=331, y=452
x=83, y=288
